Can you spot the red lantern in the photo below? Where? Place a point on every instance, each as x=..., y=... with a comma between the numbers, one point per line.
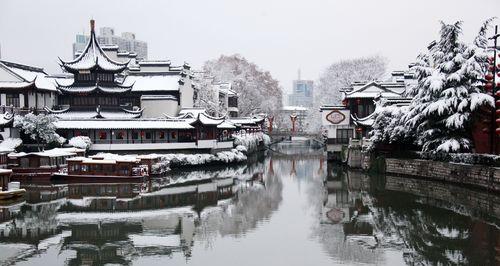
x=498, y=103
x=497, y=112
x=491, y=68
x=498, y=121
x=491, y=59
x=489, y=76
x=358, y=129
x=498, y=131
x=345, y=102
x=486, y=130
x=488, y=86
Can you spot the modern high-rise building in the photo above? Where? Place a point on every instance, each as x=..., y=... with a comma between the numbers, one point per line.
x=127, y=43
x=302, y=93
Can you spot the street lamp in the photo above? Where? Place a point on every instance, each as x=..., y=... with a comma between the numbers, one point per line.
x=491, y=84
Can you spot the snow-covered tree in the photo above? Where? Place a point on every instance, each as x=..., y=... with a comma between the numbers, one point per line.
x=448, y=92
x=207, y=95
x=82, y=142
x=257, y=90
x=40, y=128
x=340, y=75
x=389, y=126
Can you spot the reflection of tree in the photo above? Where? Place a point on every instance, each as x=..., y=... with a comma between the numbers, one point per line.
x=251, y=205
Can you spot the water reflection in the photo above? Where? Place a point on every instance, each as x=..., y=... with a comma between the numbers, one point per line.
x=290, y=208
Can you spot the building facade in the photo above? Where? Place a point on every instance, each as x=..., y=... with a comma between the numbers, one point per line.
x=302, y=93
x=354, y=118
x=127, y=43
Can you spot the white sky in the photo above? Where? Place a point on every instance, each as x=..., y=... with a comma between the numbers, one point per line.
x=280, y=36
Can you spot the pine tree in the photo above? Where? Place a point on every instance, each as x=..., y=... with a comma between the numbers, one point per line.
x=448, y=91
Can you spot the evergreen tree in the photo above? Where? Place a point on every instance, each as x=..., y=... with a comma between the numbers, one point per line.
x=448, y=92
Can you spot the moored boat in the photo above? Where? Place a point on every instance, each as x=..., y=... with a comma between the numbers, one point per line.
x=37, y=166
x=9, y=190
x=99, y=169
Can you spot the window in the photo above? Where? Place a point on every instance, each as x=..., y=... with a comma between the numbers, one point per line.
x=135, y=135
x=148, y=135
x=343, y=135
x=103, y=135
x=12, y=99
x=119, y=135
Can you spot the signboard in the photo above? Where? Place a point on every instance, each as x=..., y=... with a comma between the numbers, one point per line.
x=335, y=117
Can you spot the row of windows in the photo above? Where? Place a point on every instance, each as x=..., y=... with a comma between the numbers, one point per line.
x=94, y=101
x=92, y=77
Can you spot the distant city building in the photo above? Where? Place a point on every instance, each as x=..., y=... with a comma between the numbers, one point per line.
x=126, y=43
x=302, y=93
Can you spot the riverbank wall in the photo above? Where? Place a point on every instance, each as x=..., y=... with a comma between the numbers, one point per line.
x=481, y=176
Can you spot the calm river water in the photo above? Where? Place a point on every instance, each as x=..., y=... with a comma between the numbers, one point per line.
x=289, y=208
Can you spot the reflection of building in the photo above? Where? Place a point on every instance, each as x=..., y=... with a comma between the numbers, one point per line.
x=126, y=43
x=302, y=93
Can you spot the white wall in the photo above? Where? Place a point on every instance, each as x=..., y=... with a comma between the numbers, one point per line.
x=332, y=127
x=154, y=108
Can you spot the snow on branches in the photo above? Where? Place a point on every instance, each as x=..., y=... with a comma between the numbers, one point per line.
x=257, y=90
x=446, y=97
x=40, y=128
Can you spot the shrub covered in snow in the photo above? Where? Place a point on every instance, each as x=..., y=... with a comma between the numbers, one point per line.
x=82, y=142
x=10, y=144
x=251, y=141
x=40, y=128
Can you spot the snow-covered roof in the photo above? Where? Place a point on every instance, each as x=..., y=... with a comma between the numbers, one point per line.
x=226, y=125
x=93, y=56
x=205, y=119
x=245, y=120
x=123, y=124
x=376, y=89
x=57, y=152
x=158, y=97
x=23, y=76
x=194, y=112
x=94, y=87
x=294, y=108
x=153, y=82
x=69, y=114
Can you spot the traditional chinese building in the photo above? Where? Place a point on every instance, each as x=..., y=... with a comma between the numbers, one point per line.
x=124, y=105
x=354, y=118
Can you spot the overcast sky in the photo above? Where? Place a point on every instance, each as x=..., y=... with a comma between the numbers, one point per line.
x=279, y=36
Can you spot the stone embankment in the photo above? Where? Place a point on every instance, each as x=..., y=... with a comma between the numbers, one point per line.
x=485, y=177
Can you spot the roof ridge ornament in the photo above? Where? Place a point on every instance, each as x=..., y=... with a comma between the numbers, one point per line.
x=92, y=25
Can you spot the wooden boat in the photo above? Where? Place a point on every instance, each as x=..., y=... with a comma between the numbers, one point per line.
x=9, y=190
x=36, y=166
x=98, y=169
x=11, y=194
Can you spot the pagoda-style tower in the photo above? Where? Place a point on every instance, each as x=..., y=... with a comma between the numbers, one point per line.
x=95, y=80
